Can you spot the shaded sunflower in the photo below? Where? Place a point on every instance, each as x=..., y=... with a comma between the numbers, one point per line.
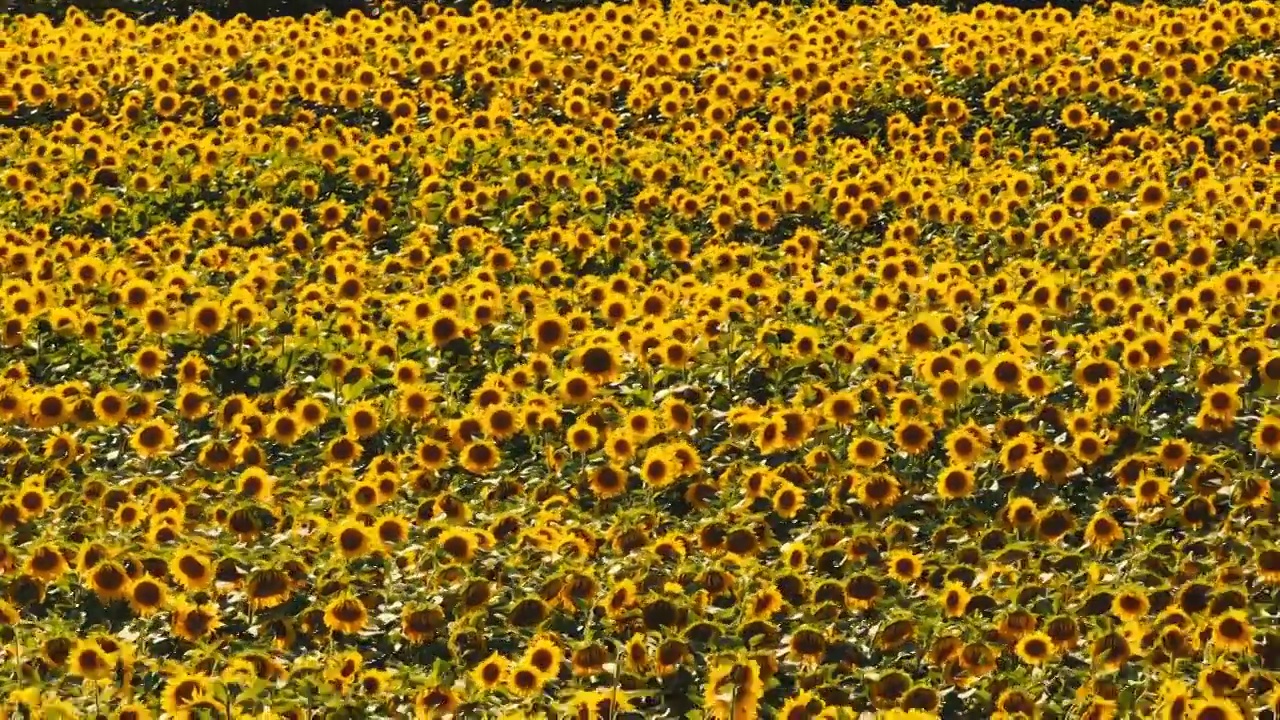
x=194, y=622
x=345, y=614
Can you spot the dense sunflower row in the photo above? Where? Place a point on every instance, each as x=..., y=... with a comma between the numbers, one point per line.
x=719, y=362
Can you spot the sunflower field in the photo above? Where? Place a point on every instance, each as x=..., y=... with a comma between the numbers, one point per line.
x=717, y=361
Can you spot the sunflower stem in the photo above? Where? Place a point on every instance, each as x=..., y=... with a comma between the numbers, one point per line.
x=617, y=681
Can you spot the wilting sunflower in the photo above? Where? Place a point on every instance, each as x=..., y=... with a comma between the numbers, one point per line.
x=345, y=614
x=267, y=588
x=421, y=624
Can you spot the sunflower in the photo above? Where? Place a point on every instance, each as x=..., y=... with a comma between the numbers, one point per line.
x=432, y=454
x=913, y=436
x=659, y=468
x=1103, y=531
x=841, y=408
x=1214, y=709
x=149, y=362
x=1173, y=454
x=1055, y=522
x=146, y=596
x=641, y=424
x=1104, y=398
x=807, y=646
x=480, y=457
x=152, y=439
x=549, y=332
x=955, y=599
x=458, y=543
x=110, y=407
x=342, y=450
x=764, y=604
x=734, y=690
x=183, y=691
x=48, y=409
x=352, y=539
x=191, y=569
x=677, y=416
x=207, y=317
x=904, y=565
x=267, y=588
x=1053, y=463
x=1111, y=650
x=600, y=362
x=255, y=483
x=1266, y=437
x=608, y=481
x=1003, y=373
x=491, y=672
x=1150, y=491
x=362, y=419
x=46, y=563
x=345, y=614
x=391, y=530
x=1267, y=561
x=589, y=659
x=109, y=580
x=9, y=615
x=955, y=483
x=1232, y=632
x=544, y=656
x=1035, y=648
x=881, y=490
x=436, y=701
x=866, y=452
x=637, y=653
x=965, y=445
x=525, y=681
x=194, y=622
x=88, y=660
